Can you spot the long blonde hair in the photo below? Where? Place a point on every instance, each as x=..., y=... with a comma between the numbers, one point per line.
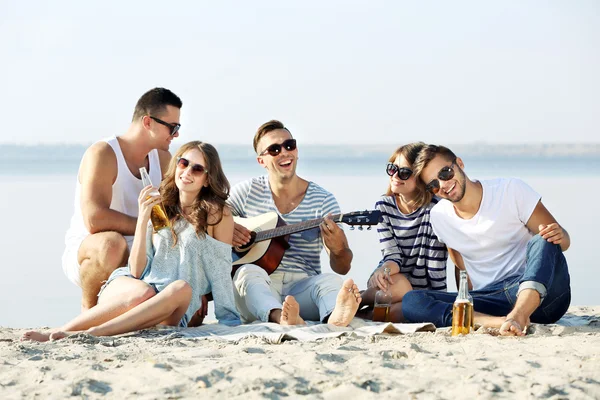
x=410, y=152
x=210, y=199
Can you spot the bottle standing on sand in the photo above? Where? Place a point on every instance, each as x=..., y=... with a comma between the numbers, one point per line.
x=158, y=216
x=462, y=311
x=383, y=301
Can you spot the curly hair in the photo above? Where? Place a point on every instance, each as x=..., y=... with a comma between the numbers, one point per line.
x=410, y=152
x=211, y=199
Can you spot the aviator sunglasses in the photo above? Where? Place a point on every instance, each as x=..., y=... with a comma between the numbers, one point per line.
x=174, y=127
x=275, y=148
x=445, y=174
x=403, y=173
x=197, y=169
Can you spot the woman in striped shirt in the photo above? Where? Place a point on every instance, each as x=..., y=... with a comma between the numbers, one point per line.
x=410, y=249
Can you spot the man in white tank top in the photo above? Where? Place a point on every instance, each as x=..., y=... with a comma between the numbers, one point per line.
x=499, y=231
x=107, y=191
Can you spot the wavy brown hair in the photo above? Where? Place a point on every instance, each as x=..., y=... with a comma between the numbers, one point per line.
x=210, y=200
x=410, y=152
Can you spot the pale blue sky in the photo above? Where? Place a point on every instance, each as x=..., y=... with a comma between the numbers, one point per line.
x=333, y=71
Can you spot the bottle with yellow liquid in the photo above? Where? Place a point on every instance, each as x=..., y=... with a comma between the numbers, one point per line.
x=383, y=301
x=158, y=215
x=462, y=310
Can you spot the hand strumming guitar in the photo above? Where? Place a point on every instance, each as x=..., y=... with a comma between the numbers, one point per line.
x=241, y=235
x=336, y=244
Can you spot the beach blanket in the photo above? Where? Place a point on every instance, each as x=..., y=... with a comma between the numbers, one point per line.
x=274, y=333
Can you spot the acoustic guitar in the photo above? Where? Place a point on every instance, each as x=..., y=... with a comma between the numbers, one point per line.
x=269, y=236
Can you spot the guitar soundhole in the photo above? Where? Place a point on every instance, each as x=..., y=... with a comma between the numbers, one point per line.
x=250, y=243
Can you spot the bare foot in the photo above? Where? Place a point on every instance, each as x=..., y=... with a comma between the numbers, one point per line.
x=514, y=325
x=290, y=313
x=346, y=304
x=36, y=336
x=59, y=335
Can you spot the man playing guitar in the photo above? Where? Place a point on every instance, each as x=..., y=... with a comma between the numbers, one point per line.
x=297, y=290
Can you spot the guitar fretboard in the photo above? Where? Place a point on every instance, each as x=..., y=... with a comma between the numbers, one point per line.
x=289, y=229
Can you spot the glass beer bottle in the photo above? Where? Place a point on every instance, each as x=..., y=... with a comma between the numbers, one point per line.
x=383, y=301
x=462, y=310
x=158, y=215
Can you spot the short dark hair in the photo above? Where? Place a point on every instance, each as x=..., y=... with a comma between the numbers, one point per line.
x=265, y=128
x=428, y=153
x=154, y=102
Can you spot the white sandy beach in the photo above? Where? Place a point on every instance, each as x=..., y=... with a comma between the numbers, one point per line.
x=552, y=361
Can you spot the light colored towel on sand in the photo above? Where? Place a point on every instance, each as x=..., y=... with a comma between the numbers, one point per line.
x=274, y=333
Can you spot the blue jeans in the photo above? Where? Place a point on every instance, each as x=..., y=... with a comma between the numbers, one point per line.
x=546, y=271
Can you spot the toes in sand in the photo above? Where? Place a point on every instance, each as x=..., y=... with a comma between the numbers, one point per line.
x=346, y=304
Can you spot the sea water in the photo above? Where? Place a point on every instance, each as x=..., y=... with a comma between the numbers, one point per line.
x=38, y=199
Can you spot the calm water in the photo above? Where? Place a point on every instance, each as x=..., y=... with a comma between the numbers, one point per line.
x=37, y=204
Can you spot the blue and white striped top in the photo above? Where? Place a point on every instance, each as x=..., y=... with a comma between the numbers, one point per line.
x=253, y=197
x=409, y=241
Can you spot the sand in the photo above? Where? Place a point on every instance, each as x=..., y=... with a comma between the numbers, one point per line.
x=551, y=362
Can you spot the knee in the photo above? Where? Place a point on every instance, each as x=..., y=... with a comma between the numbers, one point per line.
x=140, y=295
x=179, y=289
x=112, y=250
x=249, y=272
x=538, y=243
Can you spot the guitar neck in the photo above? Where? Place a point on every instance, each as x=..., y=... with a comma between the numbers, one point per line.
x=294, y=228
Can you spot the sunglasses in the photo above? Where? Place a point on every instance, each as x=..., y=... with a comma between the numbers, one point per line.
x=197, y=169
x=174, y=127
x=445, y=174
x=275, y=148
x=393, y=169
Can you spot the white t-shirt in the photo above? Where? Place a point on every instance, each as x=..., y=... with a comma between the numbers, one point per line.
x=493, y=243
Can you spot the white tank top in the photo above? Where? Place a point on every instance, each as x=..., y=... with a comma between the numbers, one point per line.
x=125, y=192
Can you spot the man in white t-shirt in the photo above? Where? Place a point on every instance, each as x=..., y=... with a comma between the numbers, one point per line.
x=504, y=237
x=297, y=290
x=107, y=190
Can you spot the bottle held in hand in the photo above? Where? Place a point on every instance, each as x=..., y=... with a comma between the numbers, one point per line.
x=158, y=216
x=462, y=310
x=383, y=301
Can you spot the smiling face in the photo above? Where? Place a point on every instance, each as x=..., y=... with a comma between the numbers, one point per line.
x=397, y=185
x=188, y=180
x=283, y=165
x=453, y=189
x=161, y=133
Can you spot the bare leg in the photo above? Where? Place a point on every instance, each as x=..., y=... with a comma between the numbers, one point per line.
x=121, y=295
x=99, y=255
x=346, y=304
x=167, y=307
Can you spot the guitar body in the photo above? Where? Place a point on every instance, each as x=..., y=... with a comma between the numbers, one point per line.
x=270, y=234
x=266, y=254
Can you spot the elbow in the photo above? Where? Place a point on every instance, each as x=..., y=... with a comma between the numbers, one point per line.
x=93, y=222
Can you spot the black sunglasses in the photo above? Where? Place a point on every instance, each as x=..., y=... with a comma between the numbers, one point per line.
x=393, y=169
x=174, y=127
x=445, y=174
x=197, y=169
x=275, y=148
